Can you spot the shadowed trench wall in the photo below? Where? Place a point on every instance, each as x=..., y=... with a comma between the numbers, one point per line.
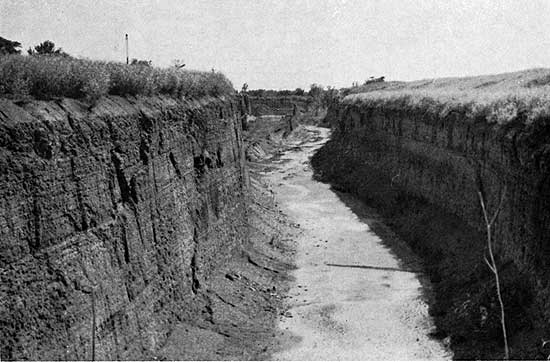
x=426, y=170
x=112, y=217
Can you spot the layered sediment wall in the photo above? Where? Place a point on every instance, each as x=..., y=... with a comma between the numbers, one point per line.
x=113, y=217
x=403, y=161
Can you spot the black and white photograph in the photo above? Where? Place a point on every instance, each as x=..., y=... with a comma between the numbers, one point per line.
x=288, y=180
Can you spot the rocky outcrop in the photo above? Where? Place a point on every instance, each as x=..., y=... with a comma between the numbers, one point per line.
x=397, y=159
x=113, y=217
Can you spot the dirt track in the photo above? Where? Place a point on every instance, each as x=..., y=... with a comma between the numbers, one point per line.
x=351, y=298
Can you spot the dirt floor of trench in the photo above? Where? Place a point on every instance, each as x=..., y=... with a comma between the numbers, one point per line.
x=357, y=292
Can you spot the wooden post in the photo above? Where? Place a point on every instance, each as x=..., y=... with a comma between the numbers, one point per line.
x=127, y=56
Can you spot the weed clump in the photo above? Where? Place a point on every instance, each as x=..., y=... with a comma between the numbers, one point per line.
x=45, y=77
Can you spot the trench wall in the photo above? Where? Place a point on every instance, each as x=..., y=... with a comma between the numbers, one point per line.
x=112, y=216
x=446, y=161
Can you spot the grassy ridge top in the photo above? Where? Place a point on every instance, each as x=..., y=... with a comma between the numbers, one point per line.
x=45, y=77
x=499, y=98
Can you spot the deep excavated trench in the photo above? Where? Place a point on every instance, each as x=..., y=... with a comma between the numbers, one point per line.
x=351, y=298
x=131, y=258
x=154, y=245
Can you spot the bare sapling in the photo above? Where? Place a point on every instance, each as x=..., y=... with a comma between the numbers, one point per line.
x=544, y=344
x=492, y=263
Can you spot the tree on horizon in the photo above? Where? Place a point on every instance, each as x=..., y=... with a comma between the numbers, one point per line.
x=9, y=46
x=315, y=90
x=46, y=48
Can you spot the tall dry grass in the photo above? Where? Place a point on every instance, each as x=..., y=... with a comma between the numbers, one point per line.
x=499, y=98
x=50, y=76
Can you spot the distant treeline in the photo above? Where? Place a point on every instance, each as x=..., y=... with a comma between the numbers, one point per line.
x=321, y=95
x=276, y=93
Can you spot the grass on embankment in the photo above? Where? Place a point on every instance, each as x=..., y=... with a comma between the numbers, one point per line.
x=499, y=98
x=46, y=77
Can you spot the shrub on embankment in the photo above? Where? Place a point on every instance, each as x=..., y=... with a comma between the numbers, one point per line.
x=420, y=152
x=46, y=77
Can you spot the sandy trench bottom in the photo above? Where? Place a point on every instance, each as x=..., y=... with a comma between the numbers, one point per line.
x=350, y=298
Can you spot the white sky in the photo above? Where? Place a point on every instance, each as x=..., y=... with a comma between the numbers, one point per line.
x=293, y=43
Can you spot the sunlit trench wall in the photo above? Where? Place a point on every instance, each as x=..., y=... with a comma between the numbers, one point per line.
x=112, y=215
x=446, y=161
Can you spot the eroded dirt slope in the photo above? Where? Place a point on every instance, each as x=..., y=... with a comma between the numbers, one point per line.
x=245, y=296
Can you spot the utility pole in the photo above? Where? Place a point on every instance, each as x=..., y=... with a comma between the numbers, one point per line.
x=127, y=57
